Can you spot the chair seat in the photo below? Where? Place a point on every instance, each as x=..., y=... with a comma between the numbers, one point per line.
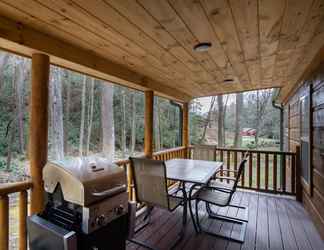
x=214, y=197
x=221, y=184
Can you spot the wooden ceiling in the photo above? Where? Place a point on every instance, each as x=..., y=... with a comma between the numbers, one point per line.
x=257, y=43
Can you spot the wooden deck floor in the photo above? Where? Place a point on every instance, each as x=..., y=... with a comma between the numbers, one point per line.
x=274, y=223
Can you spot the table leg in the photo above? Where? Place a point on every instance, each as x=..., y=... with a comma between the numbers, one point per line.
x=190, y=207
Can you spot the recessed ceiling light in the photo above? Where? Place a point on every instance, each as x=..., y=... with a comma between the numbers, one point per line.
x=228, y=80
x=201, y=47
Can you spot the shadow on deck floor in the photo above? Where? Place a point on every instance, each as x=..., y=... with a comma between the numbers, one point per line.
x=274, y=223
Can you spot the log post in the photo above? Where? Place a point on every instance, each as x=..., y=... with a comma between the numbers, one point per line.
x=185, y=128
x=148, y=126
x=38, y=132
x=23, y=199
x=4, y=222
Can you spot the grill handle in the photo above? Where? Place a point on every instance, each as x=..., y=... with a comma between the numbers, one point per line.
x=111, y=191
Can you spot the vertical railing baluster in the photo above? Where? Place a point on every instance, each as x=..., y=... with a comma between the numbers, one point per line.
x=283, y=173
x=266, y=171
x=4, y=222
x=243, y=172
x=221, y=155
x=250, y=169
x=235, y=161
x=23, y=195
x=293, y=174
x=274, y=171
x=258, y=171
x=228, y=163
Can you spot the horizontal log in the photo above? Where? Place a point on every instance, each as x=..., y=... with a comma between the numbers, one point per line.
x=9, y=188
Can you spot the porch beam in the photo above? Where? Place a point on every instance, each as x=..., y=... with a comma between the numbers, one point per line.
x=21, y=39
x=148, y=125
x=185, y=127
x=38, y=134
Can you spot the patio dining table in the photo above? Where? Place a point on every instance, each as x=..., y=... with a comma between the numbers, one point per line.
x=196, y=172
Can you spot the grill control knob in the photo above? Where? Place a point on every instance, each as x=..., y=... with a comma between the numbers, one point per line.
x=100, y=220
x=120, y=209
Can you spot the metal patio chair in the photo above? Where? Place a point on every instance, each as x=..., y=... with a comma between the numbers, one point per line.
x=151, y=188
x=220, y=193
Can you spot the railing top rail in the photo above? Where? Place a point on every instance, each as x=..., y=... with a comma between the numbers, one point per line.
x=244, y=150
x=126, y=161
x=9, y=188
x=168, y=150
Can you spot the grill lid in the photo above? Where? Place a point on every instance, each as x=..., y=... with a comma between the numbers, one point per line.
x=84, y=180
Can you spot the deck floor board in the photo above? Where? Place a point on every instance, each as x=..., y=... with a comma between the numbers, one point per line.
x=275, y=222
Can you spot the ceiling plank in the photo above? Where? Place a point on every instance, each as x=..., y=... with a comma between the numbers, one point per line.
x=193, y=15
x=120, y=23
x=296, y=13
x=220, y=16
x=271, y=14
x=20, y=38
x=245, y=15
x=140, y=17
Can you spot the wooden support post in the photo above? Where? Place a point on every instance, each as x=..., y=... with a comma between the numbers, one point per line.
x=22, y=220
x=4, y=222
x=148, y=126
x=185, y=128
x=38, y=128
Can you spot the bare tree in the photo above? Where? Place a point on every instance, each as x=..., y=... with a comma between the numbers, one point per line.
x=262, y=100
x=157, y=132
x=4, y=57
x=90, y=115
x=83, y=103
x=19, y=75
x=66, y=82
x=123, y=134
x=56, y=113
x=220, y=120
x=133, y=122
x=207, y=120
x=238, y=111
x=107, y=121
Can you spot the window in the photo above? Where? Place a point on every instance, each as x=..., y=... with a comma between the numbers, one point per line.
x=167, y=124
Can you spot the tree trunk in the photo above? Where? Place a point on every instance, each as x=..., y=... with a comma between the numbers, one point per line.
x=256, y=138
x=19, y=78
x=220, y=120
x=107, y=121
x=207, y=121
x=67, y=84
x=157, y=135
x=123, y=134
x=238, y=110
x=4, y=57
x=56, y=113
x=90, y=115
x=83, y=104
x=133, y=122
x=224, y=119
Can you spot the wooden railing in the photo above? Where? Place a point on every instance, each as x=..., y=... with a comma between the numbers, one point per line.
x=267, y=171
x=5, y=191
x=179, y=152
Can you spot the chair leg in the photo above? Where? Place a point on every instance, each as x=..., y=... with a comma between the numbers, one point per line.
x=146, y=219
x=197, y=216
x=228, y=218
x=212, y=215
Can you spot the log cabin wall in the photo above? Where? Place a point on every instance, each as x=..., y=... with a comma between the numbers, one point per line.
x=313, y=189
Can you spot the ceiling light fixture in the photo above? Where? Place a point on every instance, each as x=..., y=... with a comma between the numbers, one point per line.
x=201, y=47
x=228, y=80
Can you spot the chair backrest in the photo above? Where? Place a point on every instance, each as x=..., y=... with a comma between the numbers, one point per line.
x=150, y=181
x=240, y=171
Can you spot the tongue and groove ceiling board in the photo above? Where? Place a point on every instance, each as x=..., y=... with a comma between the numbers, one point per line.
x=257, y=43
